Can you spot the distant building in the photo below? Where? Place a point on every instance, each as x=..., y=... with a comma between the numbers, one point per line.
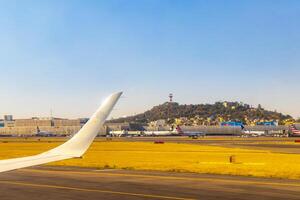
x=30, y=126
x=158, y=123
x=9, y=124
x=1, y=123
x=124, y=126
x=8, y=118
x=31, y=122
x=66, y=122
x=44, y=122
x=230, y=123
x=268, y=123
x=117, y=126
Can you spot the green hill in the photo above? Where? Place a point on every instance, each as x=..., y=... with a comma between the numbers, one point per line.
x=204, y=113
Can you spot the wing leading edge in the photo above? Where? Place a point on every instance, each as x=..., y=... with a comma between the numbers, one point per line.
x=75, y=147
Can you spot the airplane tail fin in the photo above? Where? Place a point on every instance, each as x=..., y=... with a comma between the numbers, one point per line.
x=293, y=129
x=178, y=130
x=243, y=127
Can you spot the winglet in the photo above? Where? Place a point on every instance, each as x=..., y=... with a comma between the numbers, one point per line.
x=75, y=147
x=81, y=141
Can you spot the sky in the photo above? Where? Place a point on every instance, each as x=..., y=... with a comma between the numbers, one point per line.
x=67, y=55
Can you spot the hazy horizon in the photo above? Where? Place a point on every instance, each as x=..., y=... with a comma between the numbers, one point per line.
x=68, y=55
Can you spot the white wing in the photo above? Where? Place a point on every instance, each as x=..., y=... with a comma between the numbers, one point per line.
x=75, y=147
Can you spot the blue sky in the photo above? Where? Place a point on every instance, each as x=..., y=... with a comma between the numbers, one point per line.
x=66, y=55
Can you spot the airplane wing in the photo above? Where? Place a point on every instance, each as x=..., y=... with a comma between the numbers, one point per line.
x=73, y=148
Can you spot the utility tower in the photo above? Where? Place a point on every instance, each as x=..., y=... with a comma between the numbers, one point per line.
x=171, y=97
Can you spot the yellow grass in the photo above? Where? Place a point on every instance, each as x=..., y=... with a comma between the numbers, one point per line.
x=169, y=157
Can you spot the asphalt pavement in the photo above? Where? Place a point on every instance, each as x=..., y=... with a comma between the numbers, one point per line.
x=58, y=183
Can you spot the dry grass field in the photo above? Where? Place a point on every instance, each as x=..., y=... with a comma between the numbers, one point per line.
x=167, y=157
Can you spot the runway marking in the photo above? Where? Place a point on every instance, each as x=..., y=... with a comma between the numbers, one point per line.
x=211, y=179
x=93, y=190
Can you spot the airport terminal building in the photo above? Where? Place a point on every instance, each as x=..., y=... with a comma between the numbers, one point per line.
x=57, y=126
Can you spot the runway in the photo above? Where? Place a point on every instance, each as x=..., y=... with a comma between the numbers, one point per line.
x=59, y=183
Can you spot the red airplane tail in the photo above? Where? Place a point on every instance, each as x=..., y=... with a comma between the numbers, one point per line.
x=179, y=130
x=293, y=130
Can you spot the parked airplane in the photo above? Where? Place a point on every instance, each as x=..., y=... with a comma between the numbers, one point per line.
x=251, y=133
x=45, y=134
x=192, y=134
x=73, y=148
x=172, y=131
x=125, y=133
x=294, y=132
x=40, y=133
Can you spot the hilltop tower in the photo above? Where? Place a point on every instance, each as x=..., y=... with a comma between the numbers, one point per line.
x=170, y=97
